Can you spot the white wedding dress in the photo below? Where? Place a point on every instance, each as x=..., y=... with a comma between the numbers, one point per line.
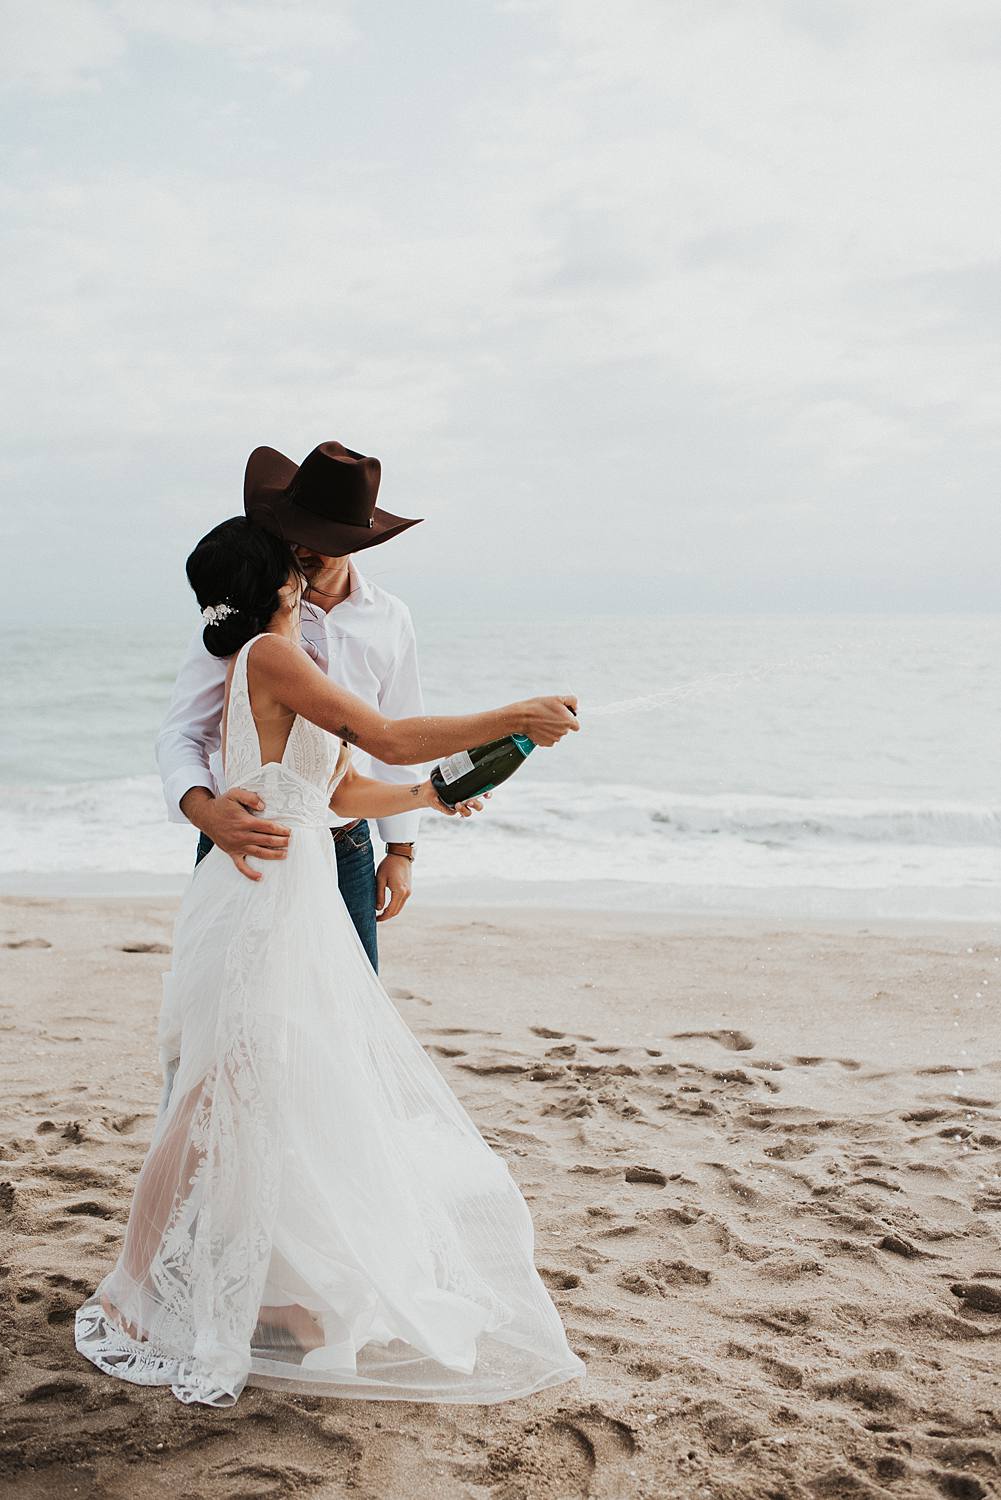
x=311, y=1157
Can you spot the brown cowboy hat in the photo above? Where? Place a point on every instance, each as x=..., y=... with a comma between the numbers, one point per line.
x=326, y=503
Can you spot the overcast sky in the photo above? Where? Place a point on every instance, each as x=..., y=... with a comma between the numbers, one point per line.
x=670, y=304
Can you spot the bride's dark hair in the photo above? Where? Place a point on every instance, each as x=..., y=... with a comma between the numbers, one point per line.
x=242, y=566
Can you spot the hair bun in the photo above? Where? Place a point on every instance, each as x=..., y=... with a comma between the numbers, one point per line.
x=247, y=567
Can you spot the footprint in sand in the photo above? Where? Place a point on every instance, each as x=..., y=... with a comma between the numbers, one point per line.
x=653, y=1175
x=897, y=1245
x=145, y=948
x=80, y=1176
x=51, y=1390
x=558, y=1280
x=460, y=1031
x=978, y=1297
x=788, y=1376
x=487, y=1067
x=661, y=1278
x=73, y=1130
x=959, y=1486
x=787, y=1321
x=592, y=1260
x=558, y=1036
x=63, y=1283
x=734, y=1184
x=400, y=994
x=577, y=1448
x=733, y=1041
x=262, y=1481
x=303, y=1457
x=617, y=1231
x=28, y=943
x=862, y=1390
x=738, y=1076
x=790, y=1150
x=726, y=1431
x=679, y=1217
x=388, y=1465
x=88, y=1209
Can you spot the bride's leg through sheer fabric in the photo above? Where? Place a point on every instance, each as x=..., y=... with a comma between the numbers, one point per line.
x=165, y=1179
x=165, y=1184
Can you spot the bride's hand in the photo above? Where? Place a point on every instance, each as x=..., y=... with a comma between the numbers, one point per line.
x=464, y=809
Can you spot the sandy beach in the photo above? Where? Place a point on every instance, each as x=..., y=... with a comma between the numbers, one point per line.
x=764, y=1163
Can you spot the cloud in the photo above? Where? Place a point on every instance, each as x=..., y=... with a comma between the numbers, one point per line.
x=601, y=286
x=57, y=46
x=61, y=46
x=250, y=30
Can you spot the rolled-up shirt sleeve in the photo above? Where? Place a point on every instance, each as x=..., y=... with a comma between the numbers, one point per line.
x=190, y=732
x=401, y=697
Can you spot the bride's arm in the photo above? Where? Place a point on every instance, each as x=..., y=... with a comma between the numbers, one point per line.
x=361, y=797
x=292, y=679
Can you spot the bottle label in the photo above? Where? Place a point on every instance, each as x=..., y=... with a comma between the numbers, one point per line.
x=455, y=766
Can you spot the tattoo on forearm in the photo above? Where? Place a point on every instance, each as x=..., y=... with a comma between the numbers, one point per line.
x=347, y=734
x=415, y=791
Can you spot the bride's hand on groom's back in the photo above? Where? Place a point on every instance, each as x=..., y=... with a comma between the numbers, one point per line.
x=234, y=823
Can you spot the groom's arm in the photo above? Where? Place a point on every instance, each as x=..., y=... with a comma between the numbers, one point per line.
x=189, y=733
x=188, y=736
x=400, y=697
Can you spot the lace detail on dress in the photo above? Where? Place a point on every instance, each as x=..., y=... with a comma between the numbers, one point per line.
x=310, y=752
x=195, y=1283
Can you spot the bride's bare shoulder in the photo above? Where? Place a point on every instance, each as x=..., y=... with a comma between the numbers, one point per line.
x=270, y=649
x=276, y=659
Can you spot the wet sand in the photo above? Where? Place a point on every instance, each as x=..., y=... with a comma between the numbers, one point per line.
x=764, y=1163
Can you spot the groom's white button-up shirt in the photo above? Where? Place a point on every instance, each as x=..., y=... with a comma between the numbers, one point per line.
x=366, y=644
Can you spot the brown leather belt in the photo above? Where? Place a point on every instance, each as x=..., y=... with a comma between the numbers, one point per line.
x=339, y=833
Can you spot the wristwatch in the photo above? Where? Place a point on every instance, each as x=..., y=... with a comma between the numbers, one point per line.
x=405, y=851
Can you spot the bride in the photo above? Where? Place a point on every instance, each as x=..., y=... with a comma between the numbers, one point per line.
x=317, y=1212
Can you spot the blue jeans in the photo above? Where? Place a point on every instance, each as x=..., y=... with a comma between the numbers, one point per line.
x=356, y=879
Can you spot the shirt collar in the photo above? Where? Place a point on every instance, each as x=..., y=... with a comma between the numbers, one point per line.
x=361, y=589
x=360, y=592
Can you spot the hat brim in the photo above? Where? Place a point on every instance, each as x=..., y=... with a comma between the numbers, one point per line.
x=265, y=502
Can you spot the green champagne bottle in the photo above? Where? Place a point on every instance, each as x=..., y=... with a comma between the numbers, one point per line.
x=473, y=772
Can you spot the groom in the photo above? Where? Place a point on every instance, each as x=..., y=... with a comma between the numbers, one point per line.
x=363, y=636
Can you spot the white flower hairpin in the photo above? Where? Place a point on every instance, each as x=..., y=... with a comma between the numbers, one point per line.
x=213, y=613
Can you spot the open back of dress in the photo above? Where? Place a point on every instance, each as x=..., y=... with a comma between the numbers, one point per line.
x=312, y=1156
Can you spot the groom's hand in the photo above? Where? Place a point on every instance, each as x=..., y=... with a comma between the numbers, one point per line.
x=232, y=823
x=395, y=875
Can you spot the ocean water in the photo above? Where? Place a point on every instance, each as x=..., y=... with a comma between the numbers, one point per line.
x=827, y=765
